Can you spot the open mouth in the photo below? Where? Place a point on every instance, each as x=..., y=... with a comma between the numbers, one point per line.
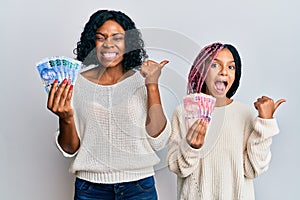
x=221, y=86
x=109, y=55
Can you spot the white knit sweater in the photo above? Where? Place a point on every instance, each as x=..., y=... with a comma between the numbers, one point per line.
x=110, y=121
x=235, y=151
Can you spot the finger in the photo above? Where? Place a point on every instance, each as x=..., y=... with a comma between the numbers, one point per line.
x=259, y=99
x=191, y=130
x=69, y=97
x=51, y=94
x=190, y=133
x=143, y=69
x=199, y=134
x=200, y=138
x=195, y=132
x=64, y=94
x=58, y=94
x=202, y=128
x=143, y=74
x=199, y=128
x=278, y=102
x=146, y=62
x=163, y=63
x=255, y=105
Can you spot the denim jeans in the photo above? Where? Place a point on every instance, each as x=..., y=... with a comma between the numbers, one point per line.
x=143, y=189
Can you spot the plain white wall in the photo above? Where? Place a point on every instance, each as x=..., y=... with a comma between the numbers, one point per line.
x=266, y=34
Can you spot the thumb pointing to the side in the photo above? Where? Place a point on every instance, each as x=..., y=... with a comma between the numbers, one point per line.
x=163, y=63
x=278, y=102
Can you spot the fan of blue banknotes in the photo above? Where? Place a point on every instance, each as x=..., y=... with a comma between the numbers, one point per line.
x=57, y=67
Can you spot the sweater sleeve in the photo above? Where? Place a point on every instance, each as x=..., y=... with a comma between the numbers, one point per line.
x=257, y=155
x=160, y=142
x=182, y=158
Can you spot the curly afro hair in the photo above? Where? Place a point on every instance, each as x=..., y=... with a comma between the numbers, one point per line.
x=135, y=53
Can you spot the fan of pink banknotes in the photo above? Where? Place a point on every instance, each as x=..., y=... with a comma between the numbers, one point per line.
x=198, y=106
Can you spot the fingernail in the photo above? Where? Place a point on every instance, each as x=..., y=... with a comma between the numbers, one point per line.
x=64, y=81
x=55, y=81
x=71, y=87
x=69, y=81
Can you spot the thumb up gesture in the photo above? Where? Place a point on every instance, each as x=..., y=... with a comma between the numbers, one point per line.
x=266, y=106
x=151, y=70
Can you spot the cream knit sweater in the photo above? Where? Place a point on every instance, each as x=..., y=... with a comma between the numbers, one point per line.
x=110, y=121
x=235, y=151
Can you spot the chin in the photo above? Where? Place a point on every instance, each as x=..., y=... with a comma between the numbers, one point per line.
x=218, y=95
x=109, y=64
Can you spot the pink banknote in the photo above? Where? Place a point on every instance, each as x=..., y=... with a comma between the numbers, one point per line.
x=198, y=106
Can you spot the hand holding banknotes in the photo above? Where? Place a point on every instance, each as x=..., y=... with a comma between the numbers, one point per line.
x=196, y=133
x=59, y=102
x=59, y=99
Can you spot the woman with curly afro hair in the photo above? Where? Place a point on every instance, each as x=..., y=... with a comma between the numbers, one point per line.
x=111, y=121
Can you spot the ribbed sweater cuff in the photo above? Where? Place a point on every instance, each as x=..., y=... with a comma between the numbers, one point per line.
x=189, y=152
x=160, y=141
x=266, y=127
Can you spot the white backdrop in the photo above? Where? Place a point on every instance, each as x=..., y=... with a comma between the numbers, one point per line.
x=266, y=33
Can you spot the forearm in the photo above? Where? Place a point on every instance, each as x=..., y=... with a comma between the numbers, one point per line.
x=257, y=155
x=182, y=159
x=257, y=160
x=156, y=119
x=68, y=138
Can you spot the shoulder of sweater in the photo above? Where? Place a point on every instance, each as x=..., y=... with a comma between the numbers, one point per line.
x=179, y=109
x=244, y=109
x=240, y=106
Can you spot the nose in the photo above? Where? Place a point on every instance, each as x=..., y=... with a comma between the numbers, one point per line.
x=223, y=70
x=108, y=43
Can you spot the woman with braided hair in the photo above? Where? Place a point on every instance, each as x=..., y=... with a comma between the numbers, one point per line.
x=218, y=159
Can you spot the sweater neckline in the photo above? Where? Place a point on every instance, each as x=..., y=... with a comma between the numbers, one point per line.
x=133, y=77
x=226, y=106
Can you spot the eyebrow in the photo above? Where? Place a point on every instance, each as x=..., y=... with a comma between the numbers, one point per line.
x=216, y=59
x=114, y=34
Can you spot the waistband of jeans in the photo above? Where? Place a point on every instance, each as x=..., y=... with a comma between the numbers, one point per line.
x=115, y=176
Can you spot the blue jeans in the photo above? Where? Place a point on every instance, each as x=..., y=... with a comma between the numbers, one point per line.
x=143, y=189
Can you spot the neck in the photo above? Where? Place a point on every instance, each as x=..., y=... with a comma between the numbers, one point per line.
x=222, y=101
x=111, y=76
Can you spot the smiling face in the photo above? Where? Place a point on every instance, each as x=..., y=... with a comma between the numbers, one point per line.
x=221, y=75
x=110, y=44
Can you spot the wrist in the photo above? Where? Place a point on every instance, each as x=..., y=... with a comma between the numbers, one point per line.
x=66, y=120
x=151, y=81
x=152, y=86
x=265, y=116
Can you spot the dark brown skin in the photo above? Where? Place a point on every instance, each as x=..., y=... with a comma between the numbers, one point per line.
x=59, y=99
